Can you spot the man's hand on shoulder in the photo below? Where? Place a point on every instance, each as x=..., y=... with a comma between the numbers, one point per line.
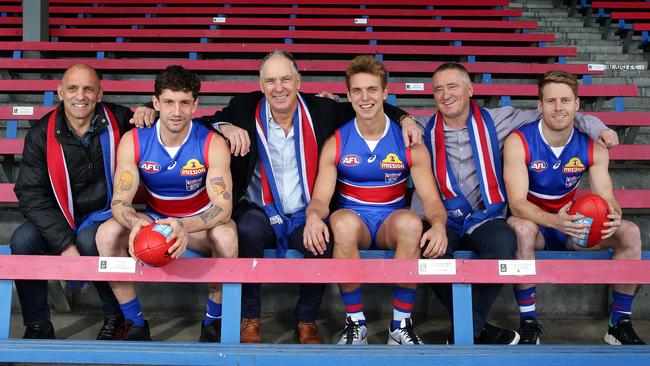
x=237, y=138
x=143, y=117
x=326, y=94
x=608, y=138
x=411, y=131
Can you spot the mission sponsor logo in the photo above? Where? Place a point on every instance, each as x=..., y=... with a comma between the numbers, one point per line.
x=192, y=168
x=391, y=162
x=538, y=166
x=573, y=166
x=351, y=160
x=150, y=167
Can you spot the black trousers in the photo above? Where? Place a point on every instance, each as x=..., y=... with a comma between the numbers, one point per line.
x=256, y=234
x=27, y=240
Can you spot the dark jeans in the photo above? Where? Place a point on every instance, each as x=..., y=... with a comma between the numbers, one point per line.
x=256, y=234
x=492, y=240
x=27, y=240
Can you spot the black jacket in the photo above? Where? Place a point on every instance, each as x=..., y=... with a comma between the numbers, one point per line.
x=327, y=115
x=85, y=169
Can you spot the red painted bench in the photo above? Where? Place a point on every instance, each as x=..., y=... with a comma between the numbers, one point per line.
x=116, y=11
x=286, y=22
x=236, y=35
x=547, y=53
x=452, y=3
x=402, y=89
x=306, y=66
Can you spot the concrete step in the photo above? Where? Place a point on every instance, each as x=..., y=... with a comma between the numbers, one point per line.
x=546, y=13
x=609, y=58
x=600, y=49
x=635, y=74
x=529, y=6
x=566, y=22
x=586, y=42
x=579, y=36
x=632, y=104
x=279, y=330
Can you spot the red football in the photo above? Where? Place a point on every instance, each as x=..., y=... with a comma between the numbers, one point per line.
x=150, y=246
x=594, y=209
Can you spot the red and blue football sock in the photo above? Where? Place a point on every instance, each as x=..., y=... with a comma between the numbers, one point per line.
x=212, y=312
x=353, y=305
x=621, y=306
x=403, y=300
x=527, y=303
x=133, y=311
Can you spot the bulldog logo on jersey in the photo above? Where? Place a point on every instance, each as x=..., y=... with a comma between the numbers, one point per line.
x=192, y=168
x=538, y=166
x=391, y=162
x=351, y=160
x=150, y=167
x=573, y=166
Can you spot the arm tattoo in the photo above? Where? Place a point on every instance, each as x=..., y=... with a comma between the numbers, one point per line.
x=210, y=214
x=125, y=182
x=219, y=187
x=128, y=216
x=121, y=203
x=180, y=223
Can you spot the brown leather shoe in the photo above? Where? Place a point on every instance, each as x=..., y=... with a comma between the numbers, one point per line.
x=250, y=331
x=307, y=333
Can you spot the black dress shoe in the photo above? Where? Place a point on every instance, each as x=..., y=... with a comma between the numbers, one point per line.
x=109, y=328
x=130, y=332
x=43, y=330
x=211, y=332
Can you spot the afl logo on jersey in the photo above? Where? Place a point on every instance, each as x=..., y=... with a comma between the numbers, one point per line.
x=351, y=160
x=573, y=166
x=391, y=162
x=150, y=167
x=538, y=165
x=192, y=168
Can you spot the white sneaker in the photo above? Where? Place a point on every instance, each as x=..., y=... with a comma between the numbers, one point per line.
x=405, y=334
x=354, y=333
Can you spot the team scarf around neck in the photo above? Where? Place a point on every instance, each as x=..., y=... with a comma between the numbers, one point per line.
x=307, y=155
x=487, y=160
x=58, y=170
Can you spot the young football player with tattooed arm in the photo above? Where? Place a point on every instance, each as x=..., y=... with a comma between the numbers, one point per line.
x=184, y=168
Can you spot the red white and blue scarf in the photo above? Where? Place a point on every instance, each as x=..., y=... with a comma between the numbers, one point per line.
x=58, y=171
x=307, y=155
x=487, y=160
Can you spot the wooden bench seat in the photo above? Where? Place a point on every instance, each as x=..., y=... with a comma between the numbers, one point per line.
x=117, y=11
x=549, y=54
x=396, y=88
x=228, y=35
x=638, y=199
x=228, y=22
x=389, y=3
x=232, y=272
x=306, y=66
